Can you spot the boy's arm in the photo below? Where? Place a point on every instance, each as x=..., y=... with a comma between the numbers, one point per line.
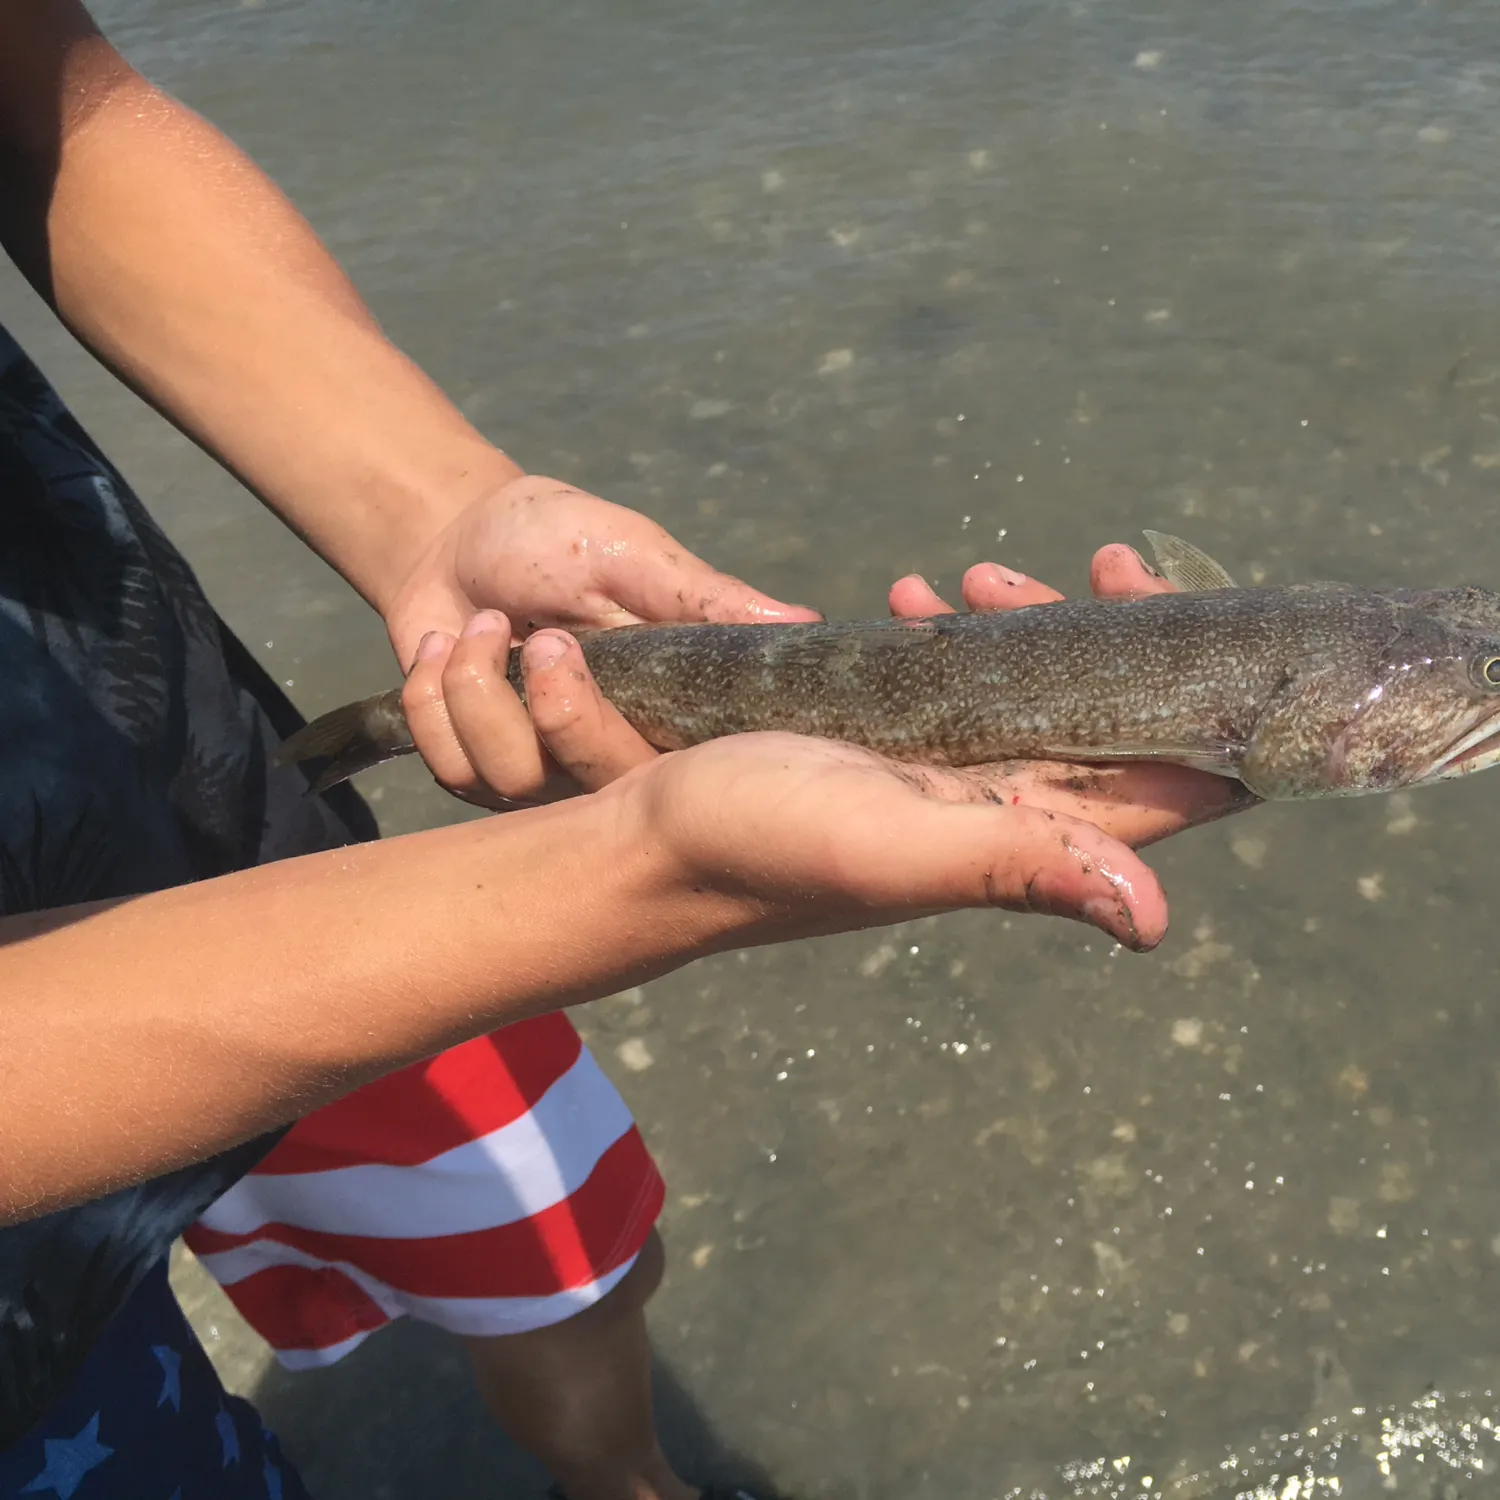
x=139, y=1035
x=177, y=261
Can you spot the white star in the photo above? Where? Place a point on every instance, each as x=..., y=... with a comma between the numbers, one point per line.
x=229, y=1438
x=171, y=1375
x=69, y=1461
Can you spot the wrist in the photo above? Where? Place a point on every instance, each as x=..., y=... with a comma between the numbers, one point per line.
x=672, y=911
x=419, y=511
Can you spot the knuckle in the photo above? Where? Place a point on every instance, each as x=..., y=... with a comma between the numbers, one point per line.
x=422, y=694
x=449, y=766
x=562, y=718
x=468, y=788
x=433, y=734
x=520, y=783
x=467, y=672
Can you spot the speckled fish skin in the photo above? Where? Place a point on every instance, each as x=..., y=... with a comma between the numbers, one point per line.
x=1310, y=690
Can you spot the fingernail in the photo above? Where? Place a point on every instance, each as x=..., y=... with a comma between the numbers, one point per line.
x=1149, y=567
x=545, y=650
x=434, y=643
x=1108, y=915
x=1116, y=918
x=484, y=623
x=1010, y=575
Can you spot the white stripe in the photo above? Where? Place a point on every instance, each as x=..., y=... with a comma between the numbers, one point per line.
x=469, y=1317
x=511, y=1174
x=488, y=1317
x=316, y=1359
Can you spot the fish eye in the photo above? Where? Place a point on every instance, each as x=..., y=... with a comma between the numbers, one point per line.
x=1489, y=671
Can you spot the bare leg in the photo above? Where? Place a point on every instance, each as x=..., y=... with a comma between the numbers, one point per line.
x=577, y=1395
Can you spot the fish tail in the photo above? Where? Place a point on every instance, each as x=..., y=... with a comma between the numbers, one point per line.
x=350, y=739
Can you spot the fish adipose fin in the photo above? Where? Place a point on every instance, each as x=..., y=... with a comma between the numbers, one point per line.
x=1192, y=570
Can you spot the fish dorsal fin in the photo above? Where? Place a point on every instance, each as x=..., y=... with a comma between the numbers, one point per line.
x=1182, y=563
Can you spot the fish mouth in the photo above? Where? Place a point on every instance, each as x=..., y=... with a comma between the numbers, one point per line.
x=1475, y=750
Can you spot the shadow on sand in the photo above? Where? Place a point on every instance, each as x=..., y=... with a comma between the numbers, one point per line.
x=399, y=1419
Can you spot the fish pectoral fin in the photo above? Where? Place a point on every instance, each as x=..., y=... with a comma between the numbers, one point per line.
x=1192, y=570
x=1220, y=760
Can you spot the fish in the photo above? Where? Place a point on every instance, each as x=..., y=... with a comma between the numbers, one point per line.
x=1297, y=691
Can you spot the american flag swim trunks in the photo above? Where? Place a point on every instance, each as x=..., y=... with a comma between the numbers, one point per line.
x=497, y=1188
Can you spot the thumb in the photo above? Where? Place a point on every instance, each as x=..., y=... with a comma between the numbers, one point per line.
x=426, y=610
x=1020, y=859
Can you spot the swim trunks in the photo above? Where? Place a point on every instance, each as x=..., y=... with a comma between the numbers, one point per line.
x=145, y=1418
x=498, y=1188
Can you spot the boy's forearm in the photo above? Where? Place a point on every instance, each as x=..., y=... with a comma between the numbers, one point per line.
x=140, y=1035
x=179, y=263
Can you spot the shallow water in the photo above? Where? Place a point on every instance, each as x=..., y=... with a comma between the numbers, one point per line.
x=980, y=1207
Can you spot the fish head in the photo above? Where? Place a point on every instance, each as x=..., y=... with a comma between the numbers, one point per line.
x=1388, y=691
x=1430, y=708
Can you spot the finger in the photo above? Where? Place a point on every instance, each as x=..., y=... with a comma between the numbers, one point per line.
x=990, y=586
x=1120, y=572
x=1138, y=804
x=426, y=711
x=503, y=754
x=585, y=734
x=913, y=598
x=985, y=586
x=433, y=608
x=429, y=707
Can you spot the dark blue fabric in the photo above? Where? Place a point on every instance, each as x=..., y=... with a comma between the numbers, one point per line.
x=147, y=1419
x=136, y=736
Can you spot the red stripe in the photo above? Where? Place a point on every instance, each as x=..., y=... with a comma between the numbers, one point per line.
x=411, y=1116
x=570, y=1244
x=302, y=1307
